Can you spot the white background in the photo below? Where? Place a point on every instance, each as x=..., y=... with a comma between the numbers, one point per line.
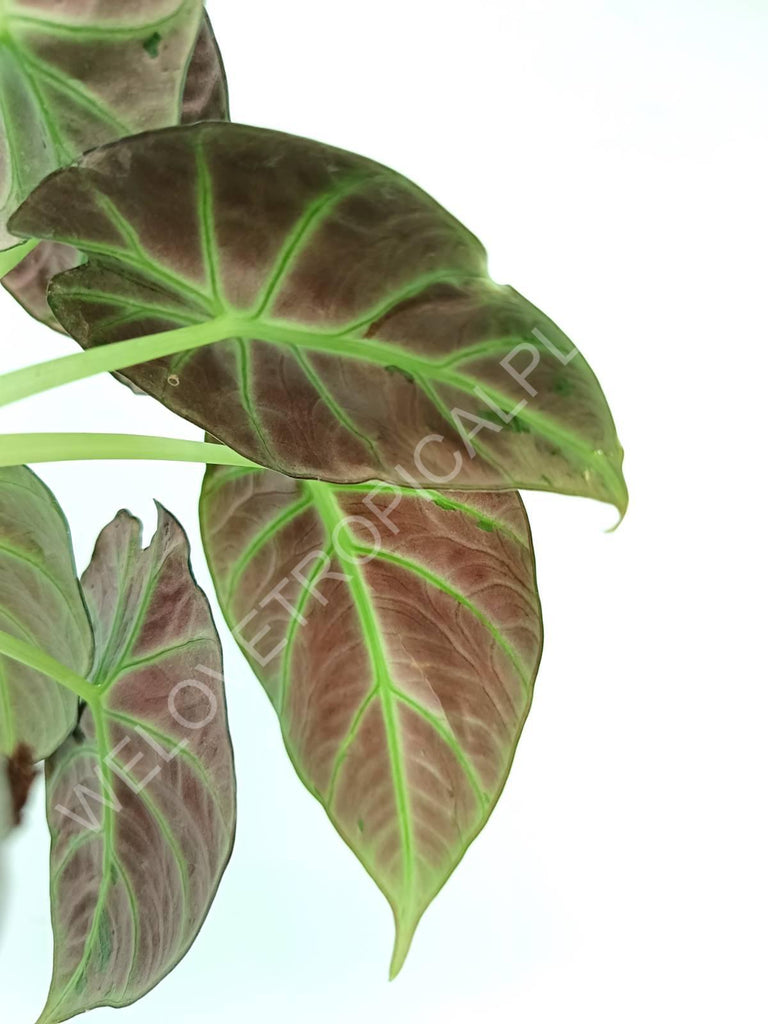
x=613, y=157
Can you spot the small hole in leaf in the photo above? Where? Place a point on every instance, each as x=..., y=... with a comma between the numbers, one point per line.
x=152, y=45
x=174, y=381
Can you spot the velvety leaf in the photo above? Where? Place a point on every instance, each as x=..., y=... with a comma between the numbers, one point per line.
x=41, y=604
x=205, y=99
x=76, y=74
x=398, y=639
x=141, y=801
x=365, y=333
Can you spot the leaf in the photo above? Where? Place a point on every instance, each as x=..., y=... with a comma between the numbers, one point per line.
x=360, y=317
x=205, y=99
x=41, y=604
x=75, y=75
x=141, y=801
x=398, y=639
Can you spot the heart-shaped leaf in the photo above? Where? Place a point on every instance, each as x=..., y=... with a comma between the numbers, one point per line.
x=41, y=604
x=365, y=339
x=398, y=639
x=205, y=99
x=74, y=75
x=141, y=801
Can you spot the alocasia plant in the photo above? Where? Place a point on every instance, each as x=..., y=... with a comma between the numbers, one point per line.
x=373, y=402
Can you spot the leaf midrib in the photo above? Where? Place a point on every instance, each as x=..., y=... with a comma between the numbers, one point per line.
x=338, y=532
x=386, y=354
x=259, y=326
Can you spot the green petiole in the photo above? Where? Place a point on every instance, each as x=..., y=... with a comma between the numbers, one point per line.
x=34, y=658
x=33, y=380
x=24, y=449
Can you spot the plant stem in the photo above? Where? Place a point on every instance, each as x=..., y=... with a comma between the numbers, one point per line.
x=32, y=380
x=22, y=449
x=38, y=660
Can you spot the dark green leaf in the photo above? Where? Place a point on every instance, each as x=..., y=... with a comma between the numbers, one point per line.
x=398, y=640
x=205, y=99
x=141, y=801
x=367, y=341
x=41, y=604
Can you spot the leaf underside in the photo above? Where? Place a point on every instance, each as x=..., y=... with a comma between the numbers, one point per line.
x=399, y=648
x=204, y=99
x=364, y=324
x=141, y=801
x=41, y=604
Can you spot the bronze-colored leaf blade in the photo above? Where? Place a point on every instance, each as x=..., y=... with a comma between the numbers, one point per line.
x=398, y=639
x=366, y=338
x=40, y=603
x=141, y=801
x=205, y=98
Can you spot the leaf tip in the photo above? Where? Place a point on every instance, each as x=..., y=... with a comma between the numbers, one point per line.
x=612, y=472
x=404, y=932
x=620, y=501
x=622, y=510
